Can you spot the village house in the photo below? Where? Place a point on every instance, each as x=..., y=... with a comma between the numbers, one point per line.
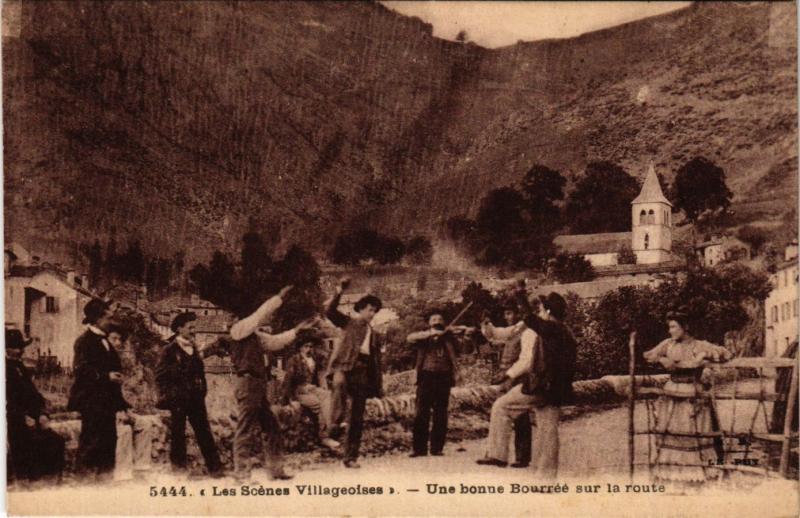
x=650, y=238
x=722, y=249
x=45, y=302
x=781, y=305
x=212, y=320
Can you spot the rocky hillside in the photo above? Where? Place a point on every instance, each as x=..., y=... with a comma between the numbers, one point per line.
x=175, y=122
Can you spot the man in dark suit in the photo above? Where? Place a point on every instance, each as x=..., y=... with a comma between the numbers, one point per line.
x=34, y=451
x=356, y=366
x=181, y=380
x=97, y=392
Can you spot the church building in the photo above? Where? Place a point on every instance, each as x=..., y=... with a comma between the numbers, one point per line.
x=650, y=238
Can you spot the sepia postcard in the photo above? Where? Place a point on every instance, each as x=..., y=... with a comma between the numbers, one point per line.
x=400, y=258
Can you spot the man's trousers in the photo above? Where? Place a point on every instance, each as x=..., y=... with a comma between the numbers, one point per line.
x=355, y=385
x=195, y=412
x=97, y=444
x=254, y=419
x=433, y=396
x=510, y=406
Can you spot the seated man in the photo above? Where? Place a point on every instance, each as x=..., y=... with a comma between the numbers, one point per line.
x=34, y=451
x=133, y=457
x=301, y=383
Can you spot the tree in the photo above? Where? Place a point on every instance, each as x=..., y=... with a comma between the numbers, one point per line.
x=541, y=188
x=95, y=262
x=567, y=267
x=419, y=250
x=460, y=229
x=498, y=226
x=110, y=264
x=300, y=269
x=625, y=255
x=256, y=259
x=364, y=244
x=699, y=187
x=462, y=36
x=132, y=263
x=220, y=286
x=150, y=276
x=388, y=250
x=754, y=236
x=601, y=200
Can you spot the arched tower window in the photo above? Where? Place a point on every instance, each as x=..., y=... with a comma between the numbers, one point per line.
x=643, y=217
x=651, y=217
x=646, y=242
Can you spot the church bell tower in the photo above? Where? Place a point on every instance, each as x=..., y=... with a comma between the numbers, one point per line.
x=651, y=215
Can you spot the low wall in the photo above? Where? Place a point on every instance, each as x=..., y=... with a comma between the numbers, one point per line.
x=388, y=420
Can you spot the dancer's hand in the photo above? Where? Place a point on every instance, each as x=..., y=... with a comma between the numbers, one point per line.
x=285, y=290
x=309, y=323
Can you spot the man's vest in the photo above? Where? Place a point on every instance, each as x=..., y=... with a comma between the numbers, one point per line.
x=510, y=353
x=247, y=357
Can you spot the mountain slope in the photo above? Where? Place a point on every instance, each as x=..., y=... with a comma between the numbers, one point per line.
x=178, y=122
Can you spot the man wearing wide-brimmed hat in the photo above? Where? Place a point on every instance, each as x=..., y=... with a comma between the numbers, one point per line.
x=181, y=379
x=97, y=392
x=34, y=451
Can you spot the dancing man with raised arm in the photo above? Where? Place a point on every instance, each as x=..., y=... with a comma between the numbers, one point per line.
x=247, y=349
x=356, y=366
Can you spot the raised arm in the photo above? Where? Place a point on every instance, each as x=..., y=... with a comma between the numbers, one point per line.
x=338, y=318
x=248, y=325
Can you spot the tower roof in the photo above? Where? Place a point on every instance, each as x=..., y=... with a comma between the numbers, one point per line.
x=651, y=189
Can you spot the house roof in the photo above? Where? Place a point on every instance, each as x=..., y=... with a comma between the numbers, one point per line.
x=30, y=271
x=725, y=240
x=651, y=189
x=175, y=301
x=593, y=243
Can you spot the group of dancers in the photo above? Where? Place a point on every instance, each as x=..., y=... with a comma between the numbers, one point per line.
x=536, y=372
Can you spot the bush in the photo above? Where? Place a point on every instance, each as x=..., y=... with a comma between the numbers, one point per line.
x=754, y=236
x=567, y=267
x=717, y=301
x=626, y=255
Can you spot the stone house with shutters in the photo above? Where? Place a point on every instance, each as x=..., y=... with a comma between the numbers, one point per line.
x=45, y=301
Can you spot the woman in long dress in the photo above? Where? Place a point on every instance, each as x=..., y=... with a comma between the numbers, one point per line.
x=684, y=409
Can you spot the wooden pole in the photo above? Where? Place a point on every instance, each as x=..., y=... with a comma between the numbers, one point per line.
x=787, y=424
x=631, y=401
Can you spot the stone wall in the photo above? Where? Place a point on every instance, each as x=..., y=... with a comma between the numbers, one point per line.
x=388, y=420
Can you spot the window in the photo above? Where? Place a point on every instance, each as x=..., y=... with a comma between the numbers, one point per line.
x=651, y=217
x=794, y=308
x=642, y=217
x=774, y=313
x=50, y=305
x=646, y=242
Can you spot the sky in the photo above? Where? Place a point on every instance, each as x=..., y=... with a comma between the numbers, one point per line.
x=497, y=24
